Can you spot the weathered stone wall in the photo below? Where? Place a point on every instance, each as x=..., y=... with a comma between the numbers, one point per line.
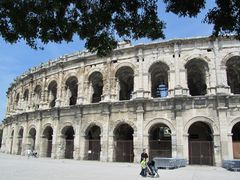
x=218, y=108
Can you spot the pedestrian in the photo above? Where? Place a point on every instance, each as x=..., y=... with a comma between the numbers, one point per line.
x=144, y=155
x=143, y=172
x=29, y=152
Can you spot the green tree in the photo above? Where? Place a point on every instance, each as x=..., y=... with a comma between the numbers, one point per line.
x=102, y=22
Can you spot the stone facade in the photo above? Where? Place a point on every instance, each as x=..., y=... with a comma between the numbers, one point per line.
x=84, y=107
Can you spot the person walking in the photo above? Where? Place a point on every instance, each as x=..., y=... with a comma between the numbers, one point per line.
x=143, y=172
x=144, y=155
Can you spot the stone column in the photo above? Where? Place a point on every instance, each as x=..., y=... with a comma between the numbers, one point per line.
x=8, y=140
x=217, y=149
x=61, y=145
x=104, y=154
x=82, y=144
x=174, y=145
x=138, y=136
x=55, y=140
x=15, y=139
x=108, y=84
x=179, y=137
x=38, y=135
x=25, y=138
x=77, y=146
x=230, y=146
x=220, y=72
x=179, y=73
x=223, y=130
x=185, y=147
x=80, y=95
x=4, y=140
x=59, y=89
x=111, y=152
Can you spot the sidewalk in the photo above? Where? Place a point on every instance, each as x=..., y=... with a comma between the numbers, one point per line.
x=21, y=168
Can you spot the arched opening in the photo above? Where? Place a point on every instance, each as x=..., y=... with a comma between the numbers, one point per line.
x=160, y=143
x=19, y=143
x=96, y=85
x=197, y=70
x=233, y=74
x=32, y=138
x=71, y=90
x=52, y=93
x=17, y=99
x=26, y=95
x=1, y=134
x=37, y=96
x=236, y=140
x=11, y=144
x=159, y=79
x=200, y=144
x=47, y=142
x=93, y=145
x=68, y=133
x=125, y=82
x=123, y=143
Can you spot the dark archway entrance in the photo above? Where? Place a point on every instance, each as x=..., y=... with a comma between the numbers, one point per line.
x=236, y=140
x=19, y=143
x=159, y=79
x=93, y=145
x=68, y=133
x=125, y=78
x=233, y=74
x=47, y=142
x=160, y=143
x=32, y=138
x=200, y=144
x=72, y=90
x=52, y=93
x=96, y=83
x=123, y=143
x=197, y=70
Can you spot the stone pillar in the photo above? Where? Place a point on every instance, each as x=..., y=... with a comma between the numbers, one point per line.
x=80, y=95
x=138, y=136
x=146, y=142
x=104, y=154
x=38, y=135
x=77, y=146
x=55, y=140
x=185, y=147
x=111, y=151
x=230, y=146
x=220, y=72
x=82, y=144
x=174, y=145
x=217, y=149
x=179, y=74
x=4, y=140
x=15, y=139
x=25, y=138
x=179, y=138
x=59, y=89
x=61, y=145
x=8, y=140
x=108, y=84
x=223, y=130
x=86, y=88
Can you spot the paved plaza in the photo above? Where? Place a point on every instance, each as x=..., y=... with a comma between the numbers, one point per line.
x=21, y=168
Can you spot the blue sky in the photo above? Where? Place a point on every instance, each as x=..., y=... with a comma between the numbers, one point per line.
x=17, y=58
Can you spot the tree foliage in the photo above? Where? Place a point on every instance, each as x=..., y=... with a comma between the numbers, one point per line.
x=102, y=22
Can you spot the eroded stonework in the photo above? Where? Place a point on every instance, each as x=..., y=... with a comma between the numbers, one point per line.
x=178, y=98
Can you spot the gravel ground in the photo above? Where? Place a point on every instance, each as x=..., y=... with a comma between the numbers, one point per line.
x=21, y=168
